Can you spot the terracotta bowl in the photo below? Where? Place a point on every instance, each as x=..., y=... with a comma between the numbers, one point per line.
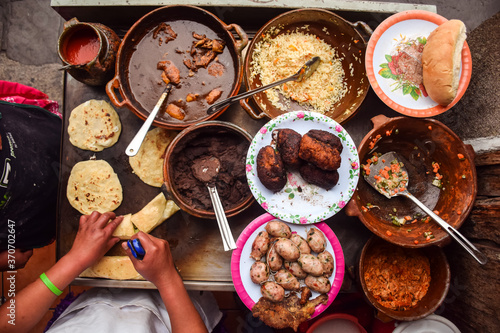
x=418, y=142
x=340, y=34
x=438, y=288
x=196, y=141
x=137, y=83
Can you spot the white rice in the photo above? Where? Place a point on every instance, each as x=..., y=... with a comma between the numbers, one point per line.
x=275, y=58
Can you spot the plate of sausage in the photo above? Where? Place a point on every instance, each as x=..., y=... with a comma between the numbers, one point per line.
x=302, y=167
x=255, y=250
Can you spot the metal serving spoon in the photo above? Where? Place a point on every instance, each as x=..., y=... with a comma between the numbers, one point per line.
x=399, y=187
x=305, y=71
x=206, y=169
x=136, y=142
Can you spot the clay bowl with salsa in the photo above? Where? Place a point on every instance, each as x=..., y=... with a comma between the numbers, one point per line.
x=226, y=142
x=426, y=269
x=186, y=46
x=441, y=172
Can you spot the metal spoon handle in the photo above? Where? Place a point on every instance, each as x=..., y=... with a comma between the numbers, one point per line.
x=473, y=251
x=136, y=142
x=249, y=93
x=227, y=236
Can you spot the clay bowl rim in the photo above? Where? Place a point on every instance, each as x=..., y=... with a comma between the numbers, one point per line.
x=172, y=192
x=380, y=124
x=308, y=15
x=119, y=86
x=428, y=304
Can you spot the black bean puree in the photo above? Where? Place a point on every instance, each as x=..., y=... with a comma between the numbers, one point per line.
x=231, y=181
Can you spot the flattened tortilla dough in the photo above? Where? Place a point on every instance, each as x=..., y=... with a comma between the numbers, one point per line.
x=113, y=267
x=148, y=162
x=94, y=186
x=154, y=213
x=125, y=229
x=94, y=125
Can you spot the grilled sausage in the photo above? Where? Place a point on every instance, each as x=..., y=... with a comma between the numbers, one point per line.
x=259, y=272
x=260, y=245
x=311, y=264
x=301, y=243
x=326, y=260
x=287, y=280
x=278, y=228
x=319, y=284
x=316, y=240
x=272, y=291
x=287, y=249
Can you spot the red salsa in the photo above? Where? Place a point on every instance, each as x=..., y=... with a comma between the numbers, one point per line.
x=82, y=46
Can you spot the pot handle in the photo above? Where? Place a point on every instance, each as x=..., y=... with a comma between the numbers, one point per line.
x=70, y=23
x=379, y=120
x=246, y=106
x=111, y=86
x=240, y=45
x=363, y=26
x=470, y=151
x=351, y=209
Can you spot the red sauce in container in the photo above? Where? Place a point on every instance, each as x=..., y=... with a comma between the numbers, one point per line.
x=82, y=46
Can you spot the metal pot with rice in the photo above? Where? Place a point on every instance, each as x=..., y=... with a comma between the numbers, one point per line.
x=337, y=87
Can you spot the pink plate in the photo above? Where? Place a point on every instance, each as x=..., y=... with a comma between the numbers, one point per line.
x=241, y=262
x=408, y=24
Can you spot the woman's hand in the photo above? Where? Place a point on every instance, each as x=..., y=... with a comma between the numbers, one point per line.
x=94, y=237
x=157, y=265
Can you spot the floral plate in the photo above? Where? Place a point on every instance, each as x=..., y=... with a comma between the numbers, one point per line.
x=380, y=57
x=298, y=201
x=241, y=262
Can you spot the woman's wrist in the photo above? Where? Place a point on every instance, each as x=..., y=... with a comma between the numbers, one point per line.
x=74, y=263
x=169, y=283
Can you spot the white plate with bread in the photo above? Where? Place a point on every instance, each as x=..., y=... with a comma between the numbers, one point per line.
x=419, y=63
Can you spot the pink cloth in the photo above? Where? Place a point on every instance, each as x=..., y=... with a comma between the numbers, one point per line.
x=18, y=93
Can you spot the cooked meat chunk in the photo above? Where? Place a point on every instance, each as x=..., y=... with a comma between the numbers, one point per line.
x=218, y=45
x=167, y=29
x=175, y=112
x=213, y=96
x=270, y=169
x=189, y=64
x=316, y=176
x=216, y=69
x=288, y=145
x=326, y=137
x=196, y=36
x=171, y=71
x=205, y=43
x=305, y=294
x=203, y=60
x=287, y=313
x=319, y=153
x=191, y=97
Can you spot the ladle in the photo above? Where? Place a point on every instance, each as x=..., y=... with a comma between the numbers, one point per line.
x=136, y=142
x=304, y=72
x=397, y=184
x=206, y=169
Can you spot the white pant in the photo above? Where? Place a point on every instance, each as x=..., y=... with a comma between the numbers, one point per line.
x=128, y=310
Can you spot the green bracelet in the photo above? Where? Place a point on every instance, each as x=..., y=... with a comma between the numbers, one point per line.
x=50, y=285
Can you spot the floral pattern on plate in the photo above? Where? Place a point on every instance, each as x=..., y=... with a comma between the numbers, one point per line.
x=300, y=202
x=409, y=25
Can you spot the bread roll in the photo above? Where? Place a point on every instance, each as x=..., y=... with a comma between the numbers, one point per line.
x=441, y=59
